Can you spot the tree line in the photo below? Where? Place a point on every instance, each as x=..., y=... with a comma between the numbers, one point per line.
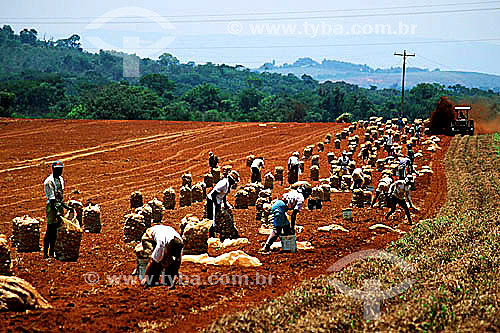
x=58, y=79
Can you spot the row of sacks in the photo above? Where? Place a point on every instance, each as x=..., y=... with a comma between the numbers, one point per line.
x=26, y=230
x=195, y=231
x=142, y=218
x=137, y=199
x=248, y=195
x=190, y=195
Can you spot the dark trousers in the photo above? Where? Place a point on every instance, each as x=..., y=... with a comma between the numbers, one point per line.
x=278, y=231
x=392, y=202
x=365, y=155
x=212, y=210
x=256, y=178
x=357, y=184
x=49, y=241
x=293, y=174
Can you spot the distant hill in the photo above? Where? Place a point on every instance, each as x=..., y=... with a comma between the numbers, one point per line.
x=365, y=76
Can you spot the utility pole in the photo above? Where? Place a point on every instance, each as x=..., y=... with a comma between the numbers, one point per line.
x=404, y=55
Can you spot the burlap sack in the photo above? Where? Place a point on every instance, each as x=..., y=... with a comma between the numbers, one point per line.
x=78, y=207
x=269, y=181
x=92, y=218
x=169, y=198
x=187, y=180
x=186, y=197
x=224, y=225
x=158, y=209
x=314, y=173
x=134, y=227
x=136, y=200
x=26, y=234
x=147, y=213
x=69, y=237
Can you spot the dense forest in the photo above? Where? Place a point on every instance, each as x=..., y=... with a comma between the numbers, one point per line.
x=58, y=79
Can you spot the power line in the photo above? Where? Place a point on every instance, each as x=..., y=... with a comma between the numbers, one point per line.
x=312, y=45
x=280, y=18
x=262, y=13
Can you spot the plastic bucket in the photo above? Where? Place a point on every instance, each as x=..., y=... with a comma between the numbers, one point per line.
x=347, y=214
x=289, y=243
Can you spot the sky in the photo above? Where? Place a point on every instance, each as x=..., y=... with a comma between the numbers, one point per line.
x=447, y=34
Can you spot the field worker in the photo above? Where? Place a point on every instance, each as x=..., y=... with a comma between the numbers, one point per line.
x=218, y=196
x=293, y=168
x=213, y=160
x=344, y=162
x=54, y=188
x=167, y=255
x=404, y=165
x=382, y=188
x=294, y=200
x=388, y=143
x=418, y=133
x=411, y=154
x=400, y=125
x=412, y=131
x=397, y=193
x=365, y=153
x=358, y=179
x=255, y=168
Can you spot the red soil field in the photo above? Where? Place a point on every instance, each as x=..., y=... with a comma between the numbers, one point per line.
x=107, y=160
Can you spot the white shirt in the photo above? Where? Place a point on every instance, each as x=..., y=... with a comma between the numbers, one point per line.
x=384, y=184
x=162, y=235
x=404, y=162
x=222, y=189
x=52, y=186
x=344, y=160
x=399, y=189
x=357, y=173
x=294, y=200
x=257, y=163
x=293, y=161
x=389, y=140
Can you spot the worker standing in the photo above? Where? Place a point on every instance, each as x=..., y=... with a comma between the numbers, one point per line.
x=293, y=168
x=54, y=209
x=166, y=256
x=418, y=133
x=294, y=200
x=255, y=168
x=404, y=165
x=365, y=152
x=213, y=161
x=344, y=162
x=397, y=193
x=218, y=195
x=388, y=143
x=411, y=155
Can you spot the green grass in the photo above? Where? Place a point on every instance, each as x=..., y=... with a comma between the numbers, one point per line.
x=496, y=143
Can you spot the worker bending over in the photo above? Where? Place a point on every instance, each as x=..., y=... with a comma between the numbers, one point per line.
x=397, y=193
x=218, y=195
x=294, y=200
x=166, y=256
